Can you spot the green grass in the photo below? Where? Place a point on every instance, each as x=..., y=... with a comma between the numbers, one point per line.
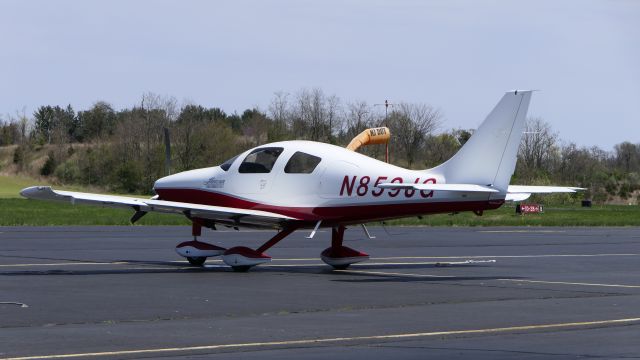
x=606, y=215
x=10, y=186
x=15, y=210
x=40, y=213
x=31, y=212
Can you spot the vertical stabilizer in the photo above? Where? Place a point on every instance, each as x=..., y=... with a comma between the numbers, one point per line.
x=489, y=156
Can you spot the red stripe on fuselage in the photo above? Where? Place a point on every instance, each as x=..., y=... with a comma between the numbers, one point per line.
x=337, y=214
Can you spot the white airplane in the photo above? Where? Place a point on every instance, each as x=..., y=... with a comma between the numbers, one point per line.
x=293, y=185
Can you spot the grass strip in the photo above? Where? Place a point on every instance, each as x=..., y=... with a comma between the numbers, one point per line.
x=16, y=211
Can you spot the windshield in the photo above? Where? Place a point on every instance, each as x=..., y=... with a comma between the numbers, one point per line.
x=227, y=164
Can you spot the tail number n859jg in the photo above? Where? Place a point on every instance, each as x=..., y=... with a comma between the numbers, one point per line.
x=361, y=186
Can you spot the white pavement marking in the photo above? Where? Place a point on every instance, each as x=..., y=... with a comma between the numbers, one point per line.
x=336, y=340
x=385, y=273
x=523, y=231
x=456, y=257
x=22, y=305
x=571, y=283
x=67, y=263
x=500, y=256
x=366, y=263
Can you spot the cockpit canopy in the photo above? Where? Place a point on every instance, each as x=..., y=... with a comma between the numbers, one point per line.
x=262, y=160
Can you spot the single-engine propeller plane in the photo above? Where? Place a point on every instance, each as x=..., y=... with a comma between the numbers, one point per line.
x=293, y=185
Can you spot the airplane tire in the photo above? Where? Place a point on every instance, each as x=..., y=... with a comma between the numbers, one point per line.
x=243, y=268
x=197, y=261
x=341, y=267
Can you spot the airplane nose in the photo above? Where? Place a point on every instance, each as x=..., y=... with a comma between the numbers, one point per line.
x=164, y=182
x=187, y=179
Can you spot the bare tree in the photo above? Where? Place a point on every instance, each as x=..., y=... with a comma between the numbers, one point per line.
x=280, y=113
x=184, y=134
x=411, y=123
x=627, y=156
x=317, y=114
x=358, y=118
x=140, y=139
x=333, y=113
x=538, y=148
x=314, y=115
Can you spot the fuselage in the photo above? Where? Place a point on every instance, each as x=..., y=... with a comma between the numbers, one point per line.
x=315, y=181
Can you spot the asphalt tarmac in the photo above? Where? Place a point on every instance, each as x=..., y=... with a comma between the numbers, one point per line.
x=487, y=293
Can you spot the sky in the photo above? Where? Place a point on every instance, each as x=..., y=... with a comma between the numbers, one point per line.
x=458, y=56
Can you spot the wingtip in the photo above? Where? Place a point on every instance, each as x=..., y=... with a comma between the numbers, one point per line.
x=26, y=191
x=30, y=191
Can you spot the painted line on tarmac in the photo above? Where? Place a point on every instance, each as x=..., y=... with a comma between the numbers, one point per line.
x=572, y=283
x=456, y=257
x=66, y=263
x=523, y=231
x=218, y=261
x=468, y=257
x=501, y=256
x=367, y=263
x=336, y=340
x=386, y=273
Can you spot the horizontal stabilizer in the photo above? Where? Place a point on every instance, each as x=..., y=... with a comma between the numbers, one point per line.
x=523, y=192
x=441, y=187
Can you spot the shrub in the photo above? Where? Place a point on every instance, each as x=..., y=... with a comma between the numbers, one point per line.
x=18, y=155
x=68, y=172
x=49, y=165
x=127, y=178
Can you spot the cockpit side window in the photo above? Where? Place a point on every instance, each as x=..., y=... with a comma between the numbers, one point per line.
x=302, y=163
x=260, y=160
x=227, y=164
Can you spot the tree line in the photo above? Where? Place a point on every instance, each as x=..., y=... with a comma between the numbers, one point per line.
x=123, y=150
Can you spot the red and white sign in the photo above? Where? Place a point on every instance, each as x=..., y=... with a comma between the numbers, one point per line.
x=531, y=209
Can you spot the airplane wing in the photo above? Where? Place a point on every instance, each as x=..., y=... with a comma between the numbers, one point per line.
x=442, y=187
x=522, y=192
x=223, y=215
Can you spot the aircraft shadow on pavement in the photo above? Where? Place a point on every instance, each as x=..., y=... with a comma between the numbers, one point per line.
x=178, y=267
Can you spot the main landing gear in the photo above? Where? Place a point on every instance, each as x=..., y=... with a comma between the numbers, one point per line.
x=339, y=256
x=241, y=258
x=196, y=251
